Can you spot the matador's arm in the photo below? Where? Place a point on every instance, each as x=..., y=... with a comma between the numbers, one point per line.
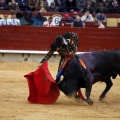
x=75, y=37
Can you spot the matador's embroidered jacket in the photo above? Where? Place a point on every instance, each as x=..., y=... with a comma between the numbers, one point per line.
x=70, y=42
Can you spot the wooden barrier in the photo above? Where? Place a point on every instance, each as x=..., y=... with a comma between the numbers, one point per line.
x=40, y=38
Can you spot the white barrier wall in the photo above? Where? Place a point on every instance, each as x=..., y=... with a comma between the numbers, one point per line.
x=31, y=56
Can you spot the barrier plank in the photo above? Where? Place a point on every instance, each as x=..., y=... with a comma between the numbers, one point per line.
x=40, y=38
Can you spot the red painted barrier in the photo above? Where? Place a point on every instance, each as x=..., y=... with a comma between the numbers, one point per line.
x=40, y=38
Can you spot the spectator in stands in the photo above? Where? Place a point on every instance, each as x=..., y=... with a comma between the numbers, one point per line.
x=61, y=4
x=14, y=20
x=13, y=5
x=41, y=7
x=87, y=17
x=33, y=4
x=3, y=5
x=23, y=5
x=39, y=20
x=77, y=23
x=5, y=20
x=81, y=4
x=92, y=2
x=49, y=23
x=22, y=19
x=52, y=8
x=74, y=15
x=100, y=16
x=101, y=7
x=71, y=6
x=104, y=2
x=110, y=3
x=67, y=18
x=114, y=9
x=89, y=7
x=45, y=2
x=100, y=25
x=28, y=16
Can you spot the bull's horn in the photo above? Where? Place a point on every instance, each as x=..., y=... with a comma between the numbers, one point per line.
x=61, y=77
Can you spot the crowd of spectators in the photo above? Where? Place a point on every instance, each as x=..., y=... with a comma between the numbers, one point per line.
x=10, y=21
x=94, y=6
x=87, y=7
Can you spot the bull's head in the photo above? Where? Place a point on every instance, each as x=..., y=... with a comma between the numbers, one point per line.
x=71, y=79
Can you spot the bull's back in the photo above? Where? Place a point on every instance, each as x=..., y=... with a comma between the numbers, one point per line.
x=106, y=58
x=103, y=62
x=107, y=62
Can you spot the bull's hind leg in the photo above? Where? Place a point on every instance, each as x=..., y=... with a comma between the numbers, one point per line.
x=108, y=86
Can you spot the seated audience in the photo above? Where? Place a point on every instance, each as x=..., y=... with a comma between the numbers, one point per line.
x=46, y=2
x=81, y=4
x=100, y=25
x=13, y=5
x=110, y=3
x=14, y=20
x=5, y=20
x=89, y=7
x=114, y=9
x=39, y=20
x=101, y=7
x=42, y=7
x=87, y=17
x=28, y=16
x=33, y=4
x=3, y=5
x=71, y=6
x=67, y=18
x=49, y=2
x=77, y=22
x=104, y=2
x=100, y=16
x=92, y=2
x=61, y=4
x=74, y=14
x=49, y=23
x=52, y=8
x=22, y=19
x=23, y=5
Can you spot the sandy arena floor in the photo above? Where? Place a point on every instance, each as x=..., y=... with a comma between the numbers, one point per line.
x=14, y=93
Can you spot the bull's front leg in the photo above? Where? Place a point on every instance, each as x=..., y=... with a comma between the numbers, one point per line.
x=88, y=91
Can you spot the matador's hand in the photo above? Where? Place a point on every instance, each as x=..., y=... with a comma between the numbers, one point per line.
x=39, y=64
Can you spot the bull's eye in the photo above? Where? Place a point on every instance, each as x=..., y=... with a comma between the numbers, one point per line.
x=63, y=84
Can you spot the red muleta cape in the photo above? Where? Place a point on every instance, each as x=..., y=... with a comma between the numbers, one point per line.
x=42, y=87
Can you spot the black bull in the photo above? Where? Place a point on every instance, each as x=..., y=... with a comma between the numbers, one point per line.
x=100, y=66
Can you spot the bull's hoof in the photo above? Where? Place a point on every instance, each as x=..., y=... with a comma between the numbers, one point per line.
x=79, y=99
x=101, y=98
x=90, y=102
